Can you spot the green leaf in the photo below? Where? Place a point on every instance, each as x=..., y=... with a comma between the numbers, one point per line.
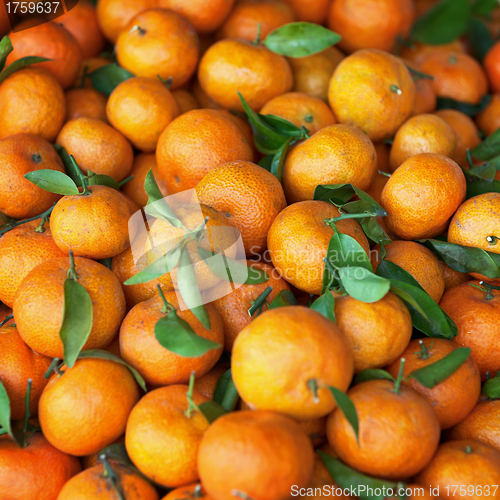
x=101, y=180
x=53, y=181
x=372, y=374
x=266, y=162
x=22, y=63
x=346, y=406
x=426, y=315
x=348, y=478
x=325, y=305
x=106, y=78
x=5, y=413
x=345, y=251
x=225, y=392
x=485, y=172
x=211, y=411
x=466, y=259
x=176, y=335
x=5, y=49
x=71, y=168
x=279, y=160
x=363, y=285
x=300, y=39
x=158, y=268
x=491, y=387
x=282, y=126
x=188, y=287
x=77, y=320
x=442, y=23
x=479, y=37
x=100, y=354
x=464, y=107
x=283, y=299
x=483, y=7
x=157, y=206
x=431, y=375
x=489, y=148
x=256, y=276
x=374, y=231
x=106, y=262
x=267, y=140
x=482, y=187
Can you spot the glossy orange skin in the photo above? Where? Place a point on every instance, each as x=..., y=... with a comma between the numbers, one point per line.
x=232, y=65
x=233, y=307
x=18, y=364
x=159, y=366
x=491, y=64
x=140, y=108
x=451, y=277
x=161, y=440
x=370, y=24
x=480, y=423
x=79, y=221
x=196, y=142
x=53, y=41
x=477, y=322
x=454, y=398
x=257, y=359
x=299, y=238
x=425, y=100
x=97, y=146
x=113, y=16
x=22, y=249
x=248, y=195
x=167, y=46
x=417, y=260
x=454, y=464
x=301, y=110
x=418, y=52
x=19, y=466
x=475, y=220
x=379, y=180
x=403, y=425
x=185, y=100
x=312, y=11
x=92, y=484
x=42, y=291
x=244, y=451
x=336, y=154
x=465, y=130
x=456, y=75
x=85, y=102
x=205, y=15
x=384, y=84
x=378, y=332
x=247, y=14
x=426, y=213
x=104, y=393
x=134, y=189
x=187, y=492
x=489, y=119
x=423, y=133
x=311, y=74
x=81, y=22
x=20, y=154
x=32, y=102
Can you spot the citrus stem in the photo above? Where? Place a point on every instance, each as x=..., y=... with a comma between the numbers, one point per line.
x=259, y=30
x=453, y=58
x=396, y=89
x=398, y=381
x=192, y=406
x=333, y=220
x=166, y=308
x=12, y=224
x=167, y=82
x=27, y=413
x=71, y=271
x=197, y=493
x=241, y=494
x=55, y=367
x=313, y=386
x=492, y=240
x=417, y=75
x=6, y=319
x=124, y=181
x=468, y=449
x=488, y=288
x=110, y=474
x=385, y=174
x=141, y=31
x=83, y=178
x=259, y=302
x=424, y=351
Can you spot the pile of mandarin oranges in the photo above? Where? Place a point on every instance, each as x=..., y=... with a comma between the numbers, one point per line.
x=249, y=249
